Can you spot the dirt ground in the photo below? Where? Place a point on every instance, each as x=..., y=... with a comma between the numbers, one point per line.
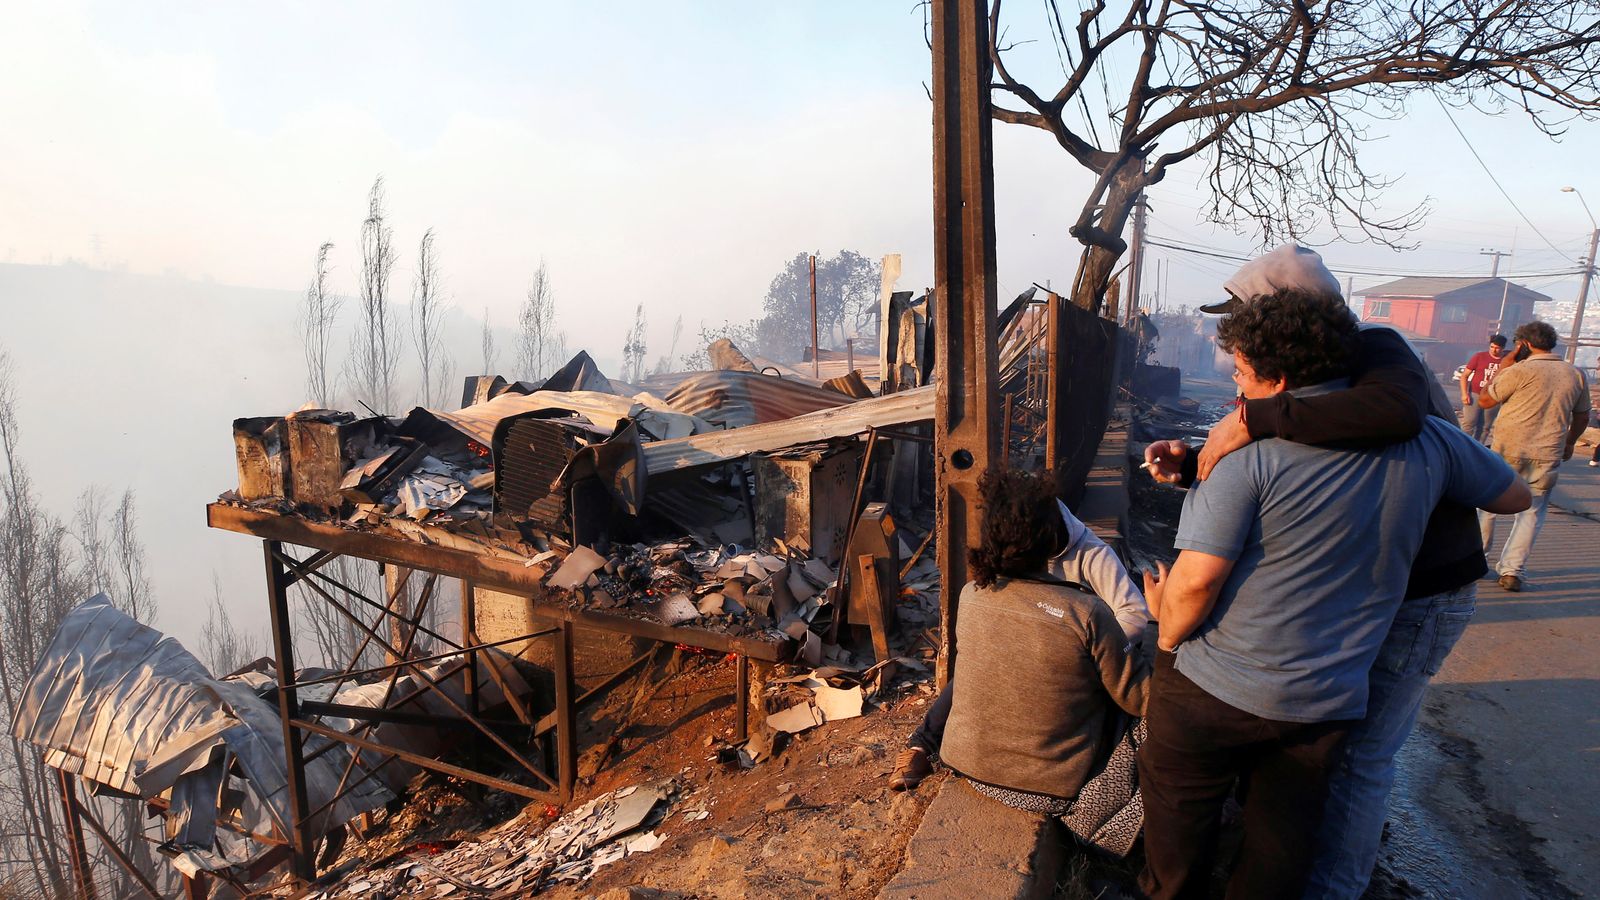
x=816, y=818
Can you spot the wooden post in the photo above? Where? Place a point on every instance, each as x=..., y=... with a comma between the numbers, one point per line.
x=469, y=638
x=741, y=706
x=966, y=439
x=566, y=736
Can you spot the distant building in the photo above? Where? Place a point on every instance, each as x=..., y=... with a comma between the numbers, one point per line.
x=1449, y=319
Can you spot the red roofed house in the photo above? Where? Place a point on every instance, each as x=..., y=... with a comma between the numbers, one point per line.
x=1449, y=318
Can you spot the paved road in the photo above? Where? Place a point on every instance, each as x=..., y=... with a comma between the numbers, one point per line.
x=1499, y=794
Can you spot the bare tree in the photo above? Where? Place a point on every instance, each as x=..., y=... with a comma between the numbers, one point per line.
x=1274, y=98
x=491, y=355
x=224, y=647
x=427, y=323
x=665, y=363
x=633, y=349
x=130, y=586
x=317, y=317
x=375, y=346
x=537, y=340
x=35, y=592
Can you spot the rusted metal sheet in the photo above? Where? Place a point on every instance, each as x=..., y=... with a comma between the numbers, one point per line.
x=803, y=497
x=735, y=399
x=261, y=447
x=840, y=421
x=322, y=445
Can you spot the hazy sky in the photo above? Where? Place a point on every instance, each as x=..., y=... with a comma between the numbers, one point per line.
x=674, y=153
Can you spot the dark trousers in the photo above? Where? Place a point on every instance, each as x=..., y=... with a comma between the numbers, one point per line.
x=1197, y=747
x=930, y=734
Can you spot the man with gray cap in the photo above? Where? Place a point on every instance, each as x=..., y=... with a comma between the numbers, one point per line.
x=1391, y=396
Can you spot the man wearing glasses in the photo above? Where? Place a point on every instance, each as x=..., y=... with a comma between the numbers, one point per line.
x=1475, y=378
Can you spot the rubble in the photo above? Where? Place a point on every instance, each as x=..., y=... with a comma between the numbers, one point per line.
x=522, y=857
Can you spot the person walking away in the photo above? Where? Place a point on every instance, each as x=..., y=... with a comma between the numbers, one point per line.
x=1544, y=406
x=1476, y=376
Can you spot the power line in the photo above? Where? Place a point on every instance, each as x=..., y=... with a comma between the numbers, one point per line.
x=1490, y=173
x=1350, y=270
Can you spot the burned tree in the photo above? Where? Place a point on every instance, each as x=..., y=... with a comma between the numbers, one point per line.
x=427, y=324
x=375, y=346
x=666, y=362
x=633, y=349
x=537, y=341
x=1276, y=98
x=317, y=316
x=491, y=354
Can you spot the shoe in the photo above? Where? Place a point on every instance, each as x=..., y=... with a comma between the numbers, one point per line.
x=910, y=768
x=1594, y=463
x=1510, y=583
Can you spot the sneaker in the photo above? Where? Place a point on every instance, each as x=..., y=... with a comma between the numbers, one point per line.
x=1594, y=463
x=1510, y=583
x=910, y=768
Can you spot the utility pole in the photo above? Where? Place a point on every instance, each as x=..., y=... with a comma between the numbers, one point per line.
x=966, y=431
x=1494, y=270
x=816, y=370
x=1136, y=273
x=1583, y=298
x=1505, y=289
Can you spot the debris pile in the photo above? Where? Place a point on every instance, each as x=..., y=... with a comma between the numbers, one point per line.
x=523, y=856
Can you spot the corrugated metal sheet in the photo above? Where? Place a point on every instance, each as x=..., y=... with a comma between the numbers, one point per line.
x=738, y=399
x=603, y=410
x=122, y=705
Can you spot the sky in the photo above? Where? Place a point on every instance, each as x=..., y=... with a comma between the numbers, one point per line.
x=671, y=154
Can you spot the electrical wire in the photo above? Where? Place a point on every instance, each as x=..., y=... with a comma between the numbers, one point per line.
x=1350, y=270
x=1490, y=173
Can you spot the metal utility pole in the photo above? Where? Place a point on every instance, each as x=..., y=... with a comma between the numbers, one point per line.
x=965, y=430
x=1136, y=271
x=816, y=352
x=1588, y=275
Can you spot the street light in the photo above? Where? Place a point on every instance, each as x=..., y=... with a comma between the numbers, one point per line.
x=1588, y=273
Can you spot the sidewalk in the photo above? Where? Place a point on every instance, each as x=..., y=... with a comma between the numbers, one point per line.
x=1497, y=791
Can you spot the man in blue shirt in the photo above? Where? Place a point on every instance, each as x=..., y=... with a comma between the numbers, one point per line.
x=1293, y=562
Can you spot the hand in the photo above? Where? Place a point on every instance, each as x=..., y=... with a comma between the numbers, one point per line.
x=1567, y=453
x=1225, y=437
x=1165, y=459
x=1155, y=586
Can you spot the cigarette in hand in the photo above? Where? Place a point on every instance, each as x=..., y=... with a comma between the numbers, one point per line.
x=1151, y=464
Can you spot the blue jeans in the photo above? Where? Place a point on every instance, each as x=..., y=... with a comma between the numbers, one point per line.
x=1541, y=478
x=1421, y=637
x=1477, y=421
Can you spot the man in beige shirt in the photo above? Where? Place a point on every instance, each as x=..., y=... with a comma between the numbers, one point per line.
x=1544, y=406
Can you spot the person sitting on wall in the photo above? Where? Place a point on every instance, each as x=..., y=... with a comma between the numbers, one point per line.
x=1083, y=559
x=1046, y=685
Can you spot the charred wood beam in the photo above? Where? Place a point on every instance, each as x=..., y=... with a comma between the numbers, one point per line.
x=488, y=571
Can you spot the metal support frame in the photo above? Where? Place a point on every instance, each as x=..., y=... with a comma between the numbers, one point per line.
x=553, y=783
x=82, y=876
x=86, y=817
x=965, y=432
x=302, y=842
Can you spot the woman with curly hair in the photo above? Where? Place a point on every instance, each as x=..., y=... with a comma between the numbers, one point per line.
x=1046, y=683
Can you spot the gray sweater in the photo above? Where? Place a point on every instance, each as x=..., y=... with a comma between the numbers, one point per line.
x=1040, y=673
